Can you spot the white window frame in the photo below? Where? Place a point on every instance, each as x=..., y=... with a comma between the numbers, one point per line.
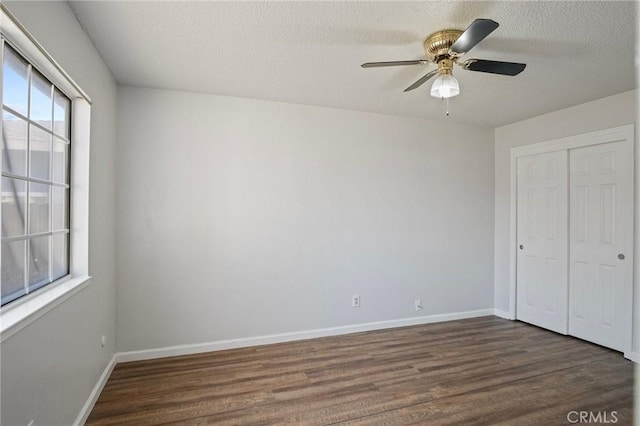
x=19, y=313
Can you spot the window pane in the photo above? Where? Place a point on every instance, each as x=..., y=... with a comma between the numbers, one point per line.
x=12, y=270
x=60, y=255
x=40, y=153
x=39, y=205
x=61, y=114
x=14, y=195
x=59, y=207
x=41, y=103
x=38, y=262
x=14, y=144
x=60, y=150
x=15, y=90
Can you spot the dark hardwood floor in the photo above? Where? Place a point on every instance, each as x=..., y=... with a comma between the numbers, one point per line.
x=481, y=371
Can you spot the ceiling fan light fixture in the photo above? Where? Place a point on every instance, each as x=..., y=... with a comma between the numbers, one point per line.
x=445, y=86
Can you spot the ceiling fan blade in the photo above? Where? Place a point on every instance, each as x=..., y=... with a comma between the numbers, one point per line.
x=420, y=82
x=393, y=63
x=474, y=34
x=494, y=67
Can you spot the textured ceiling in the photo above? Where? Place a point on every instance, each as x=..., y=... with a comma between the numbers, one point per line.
x=310, y=52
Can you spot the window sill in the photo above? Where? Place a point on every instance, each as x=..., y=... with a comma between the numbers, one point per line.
x=15, y=318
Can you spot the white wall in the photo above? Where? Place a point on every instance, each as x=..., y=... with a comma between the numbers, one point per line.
x=242, y=218
x=597, y=115
x=50, y=367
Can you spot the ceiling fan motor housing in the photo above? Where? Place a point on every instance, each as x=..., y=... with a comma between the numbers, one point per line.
x=437, y=45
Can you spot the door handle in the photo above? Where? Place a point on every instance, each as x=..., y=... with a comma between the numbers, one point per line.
x=620, y=256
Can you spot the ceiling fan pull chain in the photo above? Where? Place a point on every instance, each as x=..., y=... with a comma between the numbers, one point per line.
x=447, y=107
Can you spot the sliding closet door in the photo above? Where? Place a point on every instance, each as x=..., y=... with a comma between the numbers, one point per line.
x=601, y=239
x=542, y=285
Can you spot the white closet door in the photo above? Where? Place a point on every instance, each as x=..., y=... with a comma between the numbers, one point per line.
x=601, y=239
x=542, y=259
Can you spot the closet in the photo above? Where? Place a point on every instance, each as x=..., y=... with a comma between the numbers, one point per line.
x=574, y=236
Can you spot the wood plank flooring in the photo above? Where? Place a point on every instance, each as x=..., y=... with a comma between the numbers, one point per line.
x=481, y=371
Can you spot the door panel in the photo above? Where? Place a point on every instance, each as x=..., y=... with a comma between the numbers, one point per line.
x=542, y=215
x=601, y=217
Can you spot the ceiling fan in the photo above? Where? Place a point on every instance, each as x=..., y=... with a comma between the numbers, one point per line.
x=444, y=48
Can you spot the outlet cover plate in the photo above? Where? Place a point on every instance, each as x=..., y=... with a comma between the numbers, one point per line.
x=355, y=301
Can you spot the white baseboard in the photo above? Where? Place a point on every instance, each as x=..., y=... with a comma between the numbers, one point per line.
x=288, y=337
x=501, y=313
x=633, y=356
x=95, y=393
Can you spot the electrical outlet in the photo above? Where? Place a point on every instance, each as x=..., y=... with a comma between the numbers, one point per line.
x=355, y=301
x=418, y=305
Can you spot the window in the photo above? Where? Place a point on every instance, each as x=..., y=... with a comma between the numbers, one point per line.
x=36, y=131
x=45, y=124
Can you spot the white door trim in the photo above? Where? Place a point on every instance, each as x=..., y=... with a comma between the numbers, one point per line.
x=614, y=134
